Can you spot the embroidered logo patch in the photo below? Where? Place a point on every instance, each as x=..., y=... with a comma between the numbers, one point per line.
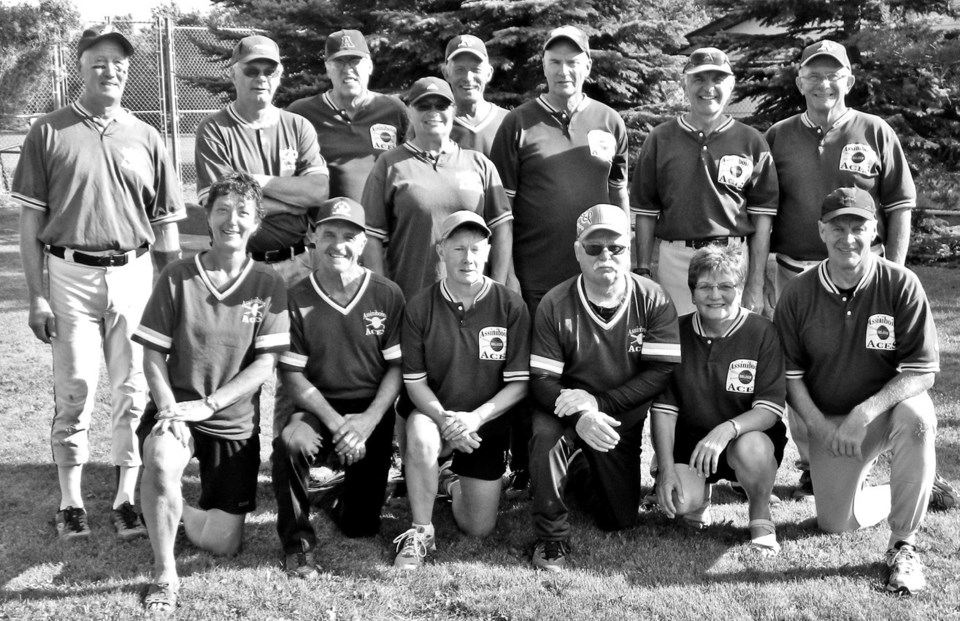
x=602, y=144
x=493, y=343
x=734, y=171
x=253, y=310
x=741, y=376
x=288, y=160
x=635, y=340
x=383, y=136
x=880, y=333
x=376, y=321
x=858, y=158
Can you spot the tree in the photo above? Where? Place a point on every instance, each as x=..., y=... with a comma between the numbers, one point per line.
x=27, y=33
x=905, y=57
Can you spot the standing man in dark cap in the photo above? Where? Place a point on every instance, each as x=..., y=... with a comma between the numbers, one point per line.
x=278, y=148
x=97, y=191
x=354, y=125
x=468, y=71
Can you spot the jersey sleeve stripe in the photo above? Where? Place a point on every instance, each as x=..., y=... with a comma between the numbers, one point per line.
x=153, y=339
x=668, y=352
x=505, y=217
x=272, y=341
x=378, y=233
x=776, y=408
x=663, y=408
x=392, y=353
x=27, y=201
x=413, y=378
x=175, y=216
x=650, y=213
x=546, y=364
x=290, y=359
x=202, y=195
x=794, y=374
x=619, y=183
x=516, y=376
x=511, y=194
x=761, y=211
x=919, y=367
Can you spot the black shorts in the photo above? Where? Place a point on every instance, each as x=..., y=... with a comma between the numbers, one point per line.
x=489, y=462
x=228, y=468
x=685, y=440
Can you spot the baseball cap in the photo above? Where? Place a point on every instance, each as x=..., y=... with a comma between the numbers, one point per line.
x=346, y=43
x=255, y=47
x=848, y=201
x=603, y=217
x=462, y=218
x=341, y=208
x=707, y=59
x=102, y=32
x=466, y=44
x=828, y=48
x=572, y=34
x=425, y=87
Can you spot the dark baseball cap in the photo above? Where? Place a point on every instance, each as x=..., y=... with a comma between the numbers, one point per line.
x=466, y=44
x=103, y=32
x=255, y=47
x=425, y=87
x=570, y=33
x=346, y=43
x=830, y=49
x=343, y=209
x=848, y=201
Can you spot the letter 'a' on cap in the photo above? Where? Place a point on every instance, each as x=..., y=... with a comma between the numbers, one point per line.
x=830, y=49
x=346, y=43
x=466, y=44
x=603, y=217
x=427, y=87
x=570, y=33
x=848, y=201
x=343, y=209
x=460, y=219
x=707, y=59
x=103, y=32
x=255, y=47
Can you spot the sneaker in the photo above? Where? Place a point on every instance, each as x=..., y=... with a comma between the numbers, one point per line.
x=128, y=522
x=804, y=487
x=72, y=524
x=550, y=555
x=300, y=565
x=906, y=571
x=446, y=480
x=412, y=548
x=943, y=496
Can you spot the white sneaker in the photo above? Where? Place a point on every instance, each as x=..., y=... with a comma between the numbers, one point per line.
x=412, y=548
x=906, y=570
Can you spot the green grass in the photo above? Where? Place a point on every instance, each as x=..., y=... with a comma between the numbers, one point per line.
x=656, y=570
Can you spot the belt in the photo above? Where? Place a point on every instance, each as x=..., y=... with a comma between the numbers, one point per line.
x=95, y=260
x=712, y=241
x=277, y=256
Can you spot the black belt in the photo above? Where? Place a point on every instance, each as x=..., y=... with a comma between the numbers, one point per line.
x=711, y=241
x=95, y=260
x=276, y=256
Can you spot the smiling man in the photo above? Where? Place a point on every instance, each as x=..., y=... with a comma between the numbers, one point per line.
x=704, y=179
x=278, y=148
x=468, y=71
x=859, y=311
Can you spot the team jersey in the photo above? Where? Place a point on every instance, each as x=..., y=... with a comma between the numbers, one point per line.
x=285, y=145
x=575, y=344
x=409, y=194
x=478, y=136
x=720, y=378
x=555, y=166
x=858, y=150
x=466, y=357
x=344, y=350
x=102, y=186
x=704, y=185
x=351, y=144
x=210, y=335
x=847, y=346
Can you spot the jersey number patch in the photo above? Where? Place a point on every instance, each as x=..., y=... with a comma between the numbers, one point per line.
x=493, y=343
x=734, y=171
x=859, y=159
x=383, y=136
x=880, y=333
x=742, y=376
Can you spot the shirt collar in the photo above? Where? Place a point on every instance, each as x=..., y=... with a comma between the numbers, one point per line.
x=271, y=118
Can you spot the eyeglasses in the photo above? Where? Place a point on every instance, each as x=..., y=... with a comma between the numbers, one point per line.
x=439, y=106
x=252, y=71
x=817, y=78
x=595, y=249
x=724, y=287
x=348, y=61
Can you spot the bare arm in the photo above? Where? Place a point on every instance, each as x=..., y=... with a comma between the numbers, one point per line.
x=897, y=241
x=619, y=196
x=298, y=192
x=166, y=247
x=305, y=395
x=501, y=253
x=645, y=227
x=246, y=381
x=373, y=256
x=759, y=248
x=41, y=318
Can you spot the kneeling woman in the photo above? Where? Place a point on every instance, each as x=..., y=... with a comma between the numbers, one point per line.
x=721, y=416
x=466, y=357
x=212, y=332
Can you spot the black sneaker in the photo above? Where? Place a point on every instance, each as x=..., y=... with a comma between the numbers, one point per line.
x=72, y=524
x=128, y=522
x=943, y=496
x=804, y=487
x=300, y=565
x=550, y=555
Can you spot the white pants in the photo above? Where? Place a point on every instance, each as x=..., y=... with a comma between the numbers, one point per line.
x=673, y=265
x=97, y=308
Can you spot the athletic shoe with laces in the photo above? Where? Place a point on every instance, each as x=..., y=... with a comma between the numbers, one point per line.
x=72, y=524
x=943, y=496
x=446, y=480
x=300, y=565
x=550, y=555
x=804, y=488
x=412, y=548
x=128, y=522
x=906, y=571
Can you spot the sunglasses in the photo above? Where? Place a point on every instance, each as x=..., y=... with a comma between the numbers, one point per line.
x=595, y=249
x=439, y=106
x=255, y=72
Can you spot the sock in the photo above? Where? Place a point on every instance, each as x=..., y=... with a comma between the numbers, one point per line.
x=426, y=529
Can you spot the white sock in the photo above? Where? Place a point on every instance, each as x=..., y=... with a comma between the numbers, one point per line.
x=426, y=529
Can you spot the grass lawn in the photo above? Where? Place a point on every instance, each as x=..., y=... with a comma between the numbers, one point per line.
x=657, y=570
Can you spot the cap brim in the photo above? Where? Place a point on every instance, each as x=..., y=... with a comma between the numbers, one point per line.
x=610, y=228
x=705, y=68
x=843, y=63
x=342, y=53
x=253, y=57
x=338, y=218
x=422, y=96
x=111, y=36
x=849, y=211
x=460, y=51
x=564, y=37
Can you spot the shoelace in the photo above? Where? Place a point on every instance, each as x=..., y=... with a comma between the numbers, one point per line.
x=77, y=519
x=414, y=540
x=905, y=559
x=129, y=516
x=553, y=550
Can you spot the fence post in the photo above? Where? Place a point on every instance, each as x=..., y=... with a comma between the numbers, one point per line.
x=59, y=74
x=169, y=79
